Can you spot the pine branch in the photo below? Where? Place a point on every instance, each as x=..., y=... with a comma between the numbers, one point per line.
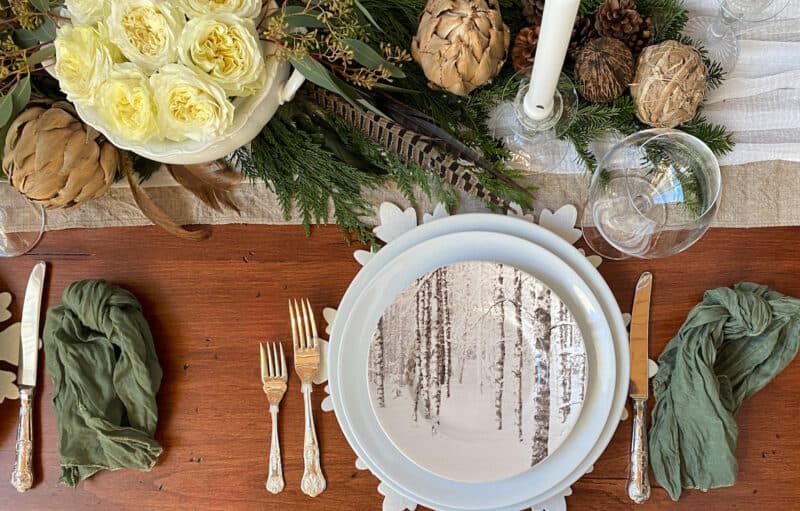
x=716, y=136
x=588, y=7
x=595, y=119
x=305, y=175
x=669, y=17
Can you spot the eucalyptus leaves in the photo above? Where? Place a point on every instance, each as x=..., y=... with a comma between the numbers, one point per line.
x=24, y=31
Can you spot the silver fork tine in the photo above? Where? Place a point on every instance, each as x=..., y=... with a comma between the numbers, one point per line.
x=309, y=341
x=270, y=365
x=313, y=324
x=302, y=338
x=283, y=363
x=264, y=372
x=278, y=373
x=295, y=341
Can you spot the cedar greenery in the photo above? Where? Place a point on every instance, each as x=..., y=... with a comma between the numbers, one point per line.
x=314, y=162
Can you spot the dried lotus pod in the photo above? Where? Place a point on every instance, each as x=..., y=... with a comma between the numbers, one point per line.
x=461, y=44
x=56, y=160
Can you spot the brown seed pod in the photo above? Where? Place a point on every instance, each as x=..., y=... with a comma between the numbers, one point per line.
x=603, y=69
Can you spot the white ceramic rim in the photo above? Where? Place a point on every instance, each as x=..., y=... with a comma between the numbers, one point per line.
x=544, y=238
x=356, y=408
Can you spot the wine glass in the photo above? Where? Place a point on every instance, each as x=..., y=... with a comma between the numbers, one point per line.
x=654, y=194
x=21, y=222
x=716, y=33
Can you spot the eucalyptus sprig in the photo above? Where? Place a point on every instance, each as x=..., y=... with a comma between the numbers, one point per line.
x=332, y=43
x=26, y=30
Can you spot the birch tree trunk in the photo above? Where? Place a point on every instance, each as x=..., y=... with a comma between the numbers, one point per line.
x=426, y=355
x=418, y=350
x=448, y=332
x=440, y=345
x=541, y=417
x=564, y=360
x=517, y=372
x=500, y=351
x=380, y=364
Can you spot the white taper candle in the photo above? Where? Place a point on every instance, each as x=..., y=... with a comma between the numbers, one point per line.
x=557, y=20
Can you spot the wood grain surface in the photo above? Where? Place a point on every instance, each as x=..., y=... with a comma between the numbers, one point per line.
x=210, y=304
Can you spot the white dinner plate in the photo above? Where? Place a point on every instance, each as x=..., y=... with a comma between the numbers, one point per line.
x=358, y=419
x=477, y=371
x=532, y=233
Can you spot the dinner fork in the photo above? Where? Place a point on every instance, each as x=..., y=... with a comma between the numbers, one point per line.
x=274, y=376
x=306, y=364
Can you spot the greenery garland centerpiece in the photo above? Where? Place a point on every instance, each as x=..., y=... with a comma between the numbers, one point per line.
x=371, y=114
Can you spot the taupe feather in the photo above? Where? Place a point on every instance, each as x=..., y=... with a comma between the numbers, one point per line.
x=155, y=213
x=210, y=182
x=409, y=145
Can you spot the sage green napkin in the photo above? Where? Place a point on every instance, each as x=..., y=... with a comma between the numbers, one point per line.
x=100, y=355
x=731, y=345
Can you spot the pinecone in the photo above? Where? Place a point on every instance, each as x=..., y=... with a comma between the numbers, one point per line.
x=524, y=48
x=582, y=32
x=532, y=10
x=642, y=38
x=618, y=19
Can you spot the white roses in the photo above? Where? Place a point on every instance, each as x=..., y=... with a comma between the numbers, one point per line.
x=84, y=57
x=189, y=107
x=226, y=49
x=146, y=31
x=161, y=70
x=241, y=8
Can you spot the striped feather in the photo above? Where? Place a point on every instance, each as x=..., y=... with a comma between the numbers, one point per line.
x=407, y=144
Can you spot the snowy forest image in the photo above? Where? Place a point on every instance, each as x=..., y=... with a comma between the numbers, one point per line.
x=477, y=371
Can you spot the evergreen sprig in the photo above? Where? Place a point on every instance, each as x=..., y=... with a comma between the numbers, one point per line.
x=318, y=165
x=593, y=120
x=715, y=136
x=669, y=17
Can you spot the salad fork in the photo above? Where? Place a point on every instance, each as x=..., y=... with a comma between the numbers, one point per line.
x=274, y=376
x=306, y=364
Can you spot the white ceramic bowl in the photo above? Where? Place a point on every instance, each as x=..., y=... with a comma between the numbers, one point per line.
x=252, y=114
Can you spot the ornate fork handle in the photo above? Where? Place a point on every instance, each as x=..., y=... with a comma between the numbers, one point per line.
x=275, y=481
x=313, y=482
x=22, y=477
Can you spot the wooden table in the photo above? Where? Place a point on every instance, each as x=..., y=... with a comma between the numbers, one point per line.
x=210, y=304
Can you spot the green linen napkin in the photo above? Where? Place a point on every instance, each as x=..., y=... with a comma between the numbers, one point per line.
x=731, y=345
x=100, y=354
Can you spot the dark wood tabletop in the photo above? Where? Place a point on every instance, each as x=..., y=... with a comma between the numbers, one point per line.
x=210, y=303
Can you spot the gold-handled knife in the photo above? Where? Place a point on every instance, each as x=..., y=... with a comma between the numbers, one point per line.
x=22, y=477
x=638, y=482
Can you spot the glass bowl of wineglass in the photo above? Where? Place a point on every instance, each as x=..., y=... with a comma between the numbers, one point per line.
x=654, y=194
x=21, y=222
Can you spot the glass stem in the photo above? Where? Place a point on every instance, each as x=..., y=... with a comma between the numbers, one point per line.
x=720, y=26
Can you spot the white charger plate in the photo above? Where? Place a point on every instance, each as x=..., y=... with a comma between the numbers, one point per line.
x=349, y=378
x=544, y=238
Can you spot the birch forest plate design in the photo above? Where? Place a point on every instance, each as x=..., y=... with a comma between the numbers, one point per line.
x=477, y=371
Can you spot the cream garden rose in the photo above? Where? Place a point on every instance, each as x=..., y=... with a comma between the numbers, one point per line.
x=125, y=104
x=226, y=49
x=146, y=31
x=88, y=11
x=243, y=8
x=84, y=57
x=189, y=105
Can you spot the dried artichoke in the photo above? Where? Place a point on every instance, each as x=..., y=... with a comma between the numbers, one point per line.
x=56, y=160
x=461, y=44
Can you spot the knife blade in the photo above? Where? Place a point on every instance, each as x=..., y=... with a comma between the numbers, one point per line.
x=29, y=330
x=638, y=482
x=22, y=476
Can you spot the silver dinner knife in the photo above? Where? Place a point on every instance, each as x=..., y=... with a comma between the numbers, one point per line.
x=639, y=484
x=22, y=477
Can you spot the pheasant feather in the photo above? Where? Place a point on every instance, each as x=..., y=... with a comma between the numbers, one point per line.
x=408, y=144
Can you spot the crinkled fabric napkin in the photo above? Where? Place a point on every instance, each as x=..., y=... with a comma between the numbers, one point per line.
x=731, y=345
x=100, y=355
